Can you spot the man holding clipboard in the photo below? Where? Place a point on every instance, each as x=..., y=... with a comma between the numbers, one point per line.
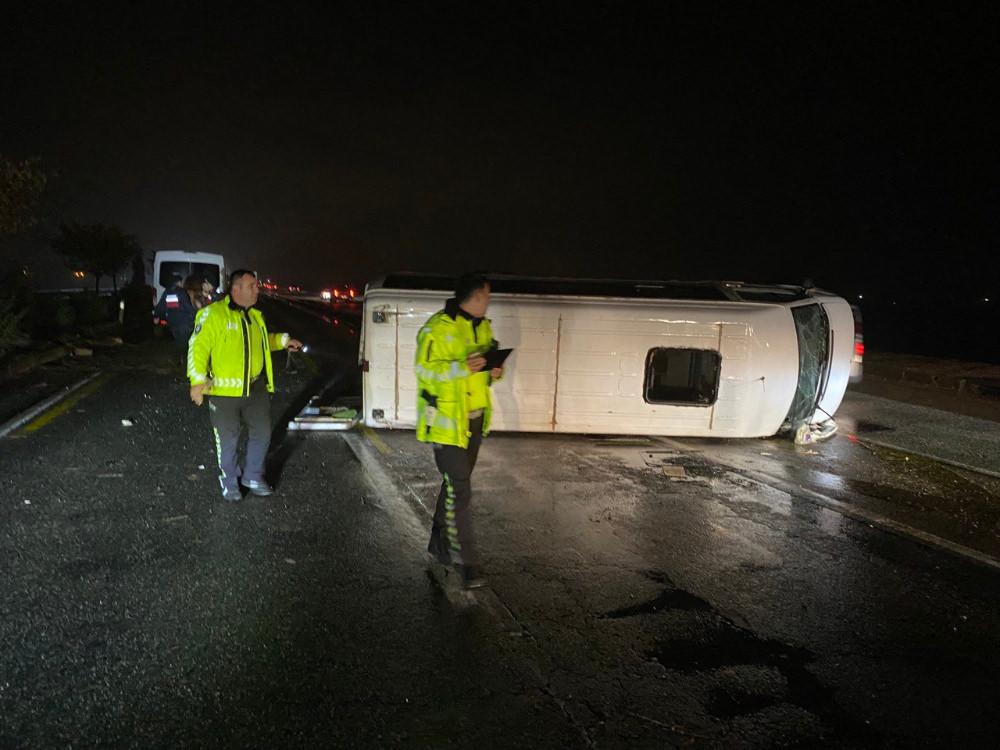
x=457, y=360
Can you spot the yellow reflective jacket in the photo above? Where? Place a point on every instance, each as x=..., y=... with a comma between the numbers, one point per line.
x=445, y=386
x=224, y=347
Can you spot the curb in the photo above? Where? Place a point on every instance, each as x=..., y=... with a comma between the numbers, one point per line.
x=855, y=513
x=27, y=415
x=929, y=457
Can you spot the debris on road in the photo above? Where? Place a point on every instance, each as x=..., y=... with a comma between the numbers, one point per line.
x=105, y=342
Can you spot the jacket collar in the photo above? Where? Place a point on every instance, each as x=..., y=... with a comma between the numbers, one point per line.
x=454, y=311
x=233, y=306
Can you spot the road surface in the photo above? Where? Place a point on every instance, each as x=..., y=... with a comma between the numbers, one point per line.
x=643, y=593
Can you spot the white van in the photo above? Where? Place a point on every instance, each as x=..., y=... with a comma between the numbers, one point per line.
x=173, y=266
x=707, y=359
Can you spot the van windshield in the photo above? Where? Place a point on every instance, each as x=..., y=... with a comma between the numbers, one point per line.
x=812, y=328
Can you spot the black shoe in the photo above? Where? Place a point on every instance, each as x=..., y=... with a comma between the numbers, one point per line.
x=472, y=577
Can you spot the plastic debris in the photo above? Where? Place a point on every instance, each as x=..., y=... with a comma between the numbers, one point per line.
x=201, y=467
x=290, y=561
x=27, y=502
x=806, y=434
x=675, y=472
x=127, y=423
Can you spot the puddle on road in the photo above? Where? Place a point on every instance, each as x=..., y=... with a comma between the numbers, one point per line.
x=723, y=645
x=670, y=599
x=728, y=704
x=898, y=496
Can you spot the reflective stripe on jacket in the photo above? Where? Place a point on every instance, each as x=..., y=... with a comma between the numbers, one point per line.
x=224, y=346
x=445, y=386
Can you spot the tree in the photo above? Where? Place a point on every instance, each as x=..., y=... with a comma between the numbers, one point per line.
x=95, y=248
x=13, y=308
x=21, y=185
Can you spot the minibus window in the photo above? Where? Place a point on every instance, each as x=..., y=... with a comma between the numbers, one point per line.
x=173, y=273
x=207, y=271
x=682, y=376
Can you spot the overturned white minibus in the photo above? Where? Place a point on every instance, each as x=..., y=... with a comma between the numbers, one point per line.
x=706, y=359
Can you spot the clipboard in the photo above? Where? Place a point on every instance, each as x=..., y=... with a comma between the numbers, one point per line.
x=496, y=358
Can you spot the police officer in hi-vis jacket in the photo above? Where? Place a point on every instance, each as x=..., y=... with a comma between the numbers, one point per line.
x=229, y=360
x=453, y=414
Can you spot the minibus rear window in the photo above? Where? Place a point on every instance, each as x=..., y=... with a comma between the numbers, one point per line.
x=207, y=271
x=173, y=273
x=682, y=376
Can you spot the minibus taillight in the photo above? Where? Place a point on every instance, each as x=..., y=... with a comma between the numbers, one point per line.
x=859, y=335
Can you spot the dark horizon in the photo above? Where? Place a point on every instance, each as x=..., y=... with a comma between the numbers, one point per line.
x=851, y=147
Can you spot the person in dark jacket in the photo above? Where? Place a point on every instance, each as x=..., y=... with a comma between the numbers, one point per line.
x=178, y=306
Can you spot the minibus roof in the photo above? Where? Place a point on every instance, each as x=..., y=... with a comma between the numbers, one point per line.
x=619, y=288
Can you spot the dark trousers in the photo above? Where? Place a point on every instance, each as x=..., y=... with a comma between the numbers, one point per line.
x=181, y=347
x=229, y=414
x=451, y=531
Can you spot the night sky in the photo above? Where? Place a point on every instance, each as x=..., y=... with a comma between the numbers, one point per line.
x=850, y=144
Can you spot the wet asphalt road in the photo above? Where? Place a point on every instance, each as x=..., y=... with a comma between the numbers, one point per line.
x=627, y=608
